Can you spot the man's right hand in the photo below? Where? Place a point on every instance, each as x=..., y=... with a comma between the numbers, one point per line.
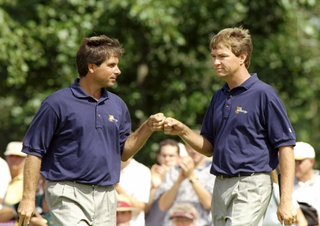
x=25, y=211
x=173, y=126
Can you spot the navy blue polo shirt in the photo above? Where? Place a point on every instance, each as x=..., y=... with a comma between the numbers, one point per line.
x=79, y=138
x=246, y=126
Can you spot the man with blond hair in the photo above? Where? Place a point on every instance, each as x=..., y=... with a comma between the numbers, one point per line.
x=244, y=128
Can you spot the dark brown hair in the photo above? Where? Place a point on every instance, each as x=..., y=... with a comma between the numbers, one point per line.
x=96, y=50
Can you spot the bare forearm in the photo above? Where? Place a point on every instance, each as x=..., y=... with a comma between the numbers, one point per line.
x=6, y=214
x=286, y=156
x=197, y=142
x=301, y=220
x=134, y=202
x=135, y=141
x=166, y=199
x=137, y=204
x=31, y=175
x=203, y=194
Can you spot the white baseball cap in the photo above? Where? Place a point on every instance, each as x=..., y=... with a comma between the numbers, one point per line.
x=14, y=148
x=303, y=150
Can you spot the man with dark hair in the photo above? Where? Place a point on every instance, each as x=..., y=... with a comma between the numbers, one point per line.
x=244, y=128
x=77, y=139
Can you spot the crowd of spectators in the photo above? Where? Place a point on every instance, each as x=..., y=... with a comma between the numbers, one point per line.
x=175, y=191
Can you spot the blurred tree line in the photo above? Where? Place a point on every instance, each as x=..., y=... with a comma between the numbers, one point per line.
x=167, y=65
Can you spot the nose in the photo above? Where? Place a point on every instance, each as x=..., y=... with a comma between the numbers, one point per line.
x=167, y=157
x=117, y=70
x=215, y=61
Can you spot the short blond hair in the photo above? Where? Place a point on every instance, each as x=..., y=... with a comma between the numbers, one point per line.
x=237, y=39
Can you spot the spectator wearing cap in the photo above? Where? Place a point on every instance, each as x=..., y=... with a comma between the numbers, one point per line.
x=307, y=180
x=135, y=185
x=125, y=211
x=15, y=159
x=5, y=178
x=183, y=214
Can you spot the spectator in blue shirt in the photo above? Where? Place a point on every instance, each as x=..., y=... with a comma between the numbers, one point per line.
x=77, y=139
x=244, y=128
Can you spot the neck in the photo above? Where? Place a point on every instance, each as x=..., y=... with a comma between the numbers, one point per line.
x=15, y=172
x=307, y=176
x=238, y=78
x=89, y=88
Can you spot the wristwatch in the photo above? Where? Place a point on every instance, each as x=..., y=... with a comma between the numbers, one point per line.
x=192, y=180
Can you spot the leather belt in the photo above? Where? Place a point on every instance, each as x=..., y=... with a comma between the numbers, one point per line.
x=222, y=176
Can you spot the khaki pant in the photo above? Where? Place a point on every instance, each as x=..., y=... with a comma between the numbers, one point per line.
x=73, y=204
x=241, y=201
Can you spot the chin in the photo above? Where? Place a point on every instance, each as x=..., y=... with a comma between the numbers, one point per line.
x=109, y=85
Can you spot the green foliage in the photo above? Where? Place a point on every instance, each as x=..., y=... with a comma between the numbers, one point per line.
x=167, y=65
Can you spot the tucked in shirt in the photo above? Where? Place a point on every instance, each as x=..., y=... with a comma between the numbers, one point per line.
x=246, y=126
x=79, y=138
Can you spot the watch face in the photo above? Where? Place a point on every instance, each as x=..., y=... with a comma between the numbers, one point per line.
x=192, y=180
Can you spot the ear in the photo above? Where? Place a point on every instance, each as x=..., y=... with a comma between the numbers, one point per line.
x=313, y=161
x=91, y=67
x=242, y=58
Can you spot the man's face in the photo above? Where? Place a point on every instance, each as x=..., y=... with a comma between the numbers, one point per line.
x=168, y=155
x=303, y=167
x=225, y=63
x=123, y=217
x=196, y=156
x=106, y=74
x=182, y=221
x=15, y=162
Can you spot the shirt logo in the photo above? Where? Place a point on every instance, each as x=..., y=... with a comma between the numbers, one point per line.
x=112, y=119
x=239, y=109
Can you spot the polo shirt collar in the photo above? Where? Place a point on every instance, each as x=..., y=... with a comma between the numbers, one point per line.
x=80, y=93
x=246, y=84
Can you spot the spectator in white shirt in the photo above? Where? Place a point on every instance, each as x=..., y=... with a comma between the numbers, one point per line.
x=307, y=180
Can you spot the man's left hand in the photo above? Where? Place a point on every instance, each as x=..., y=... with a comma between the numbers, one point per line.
x=287, y=213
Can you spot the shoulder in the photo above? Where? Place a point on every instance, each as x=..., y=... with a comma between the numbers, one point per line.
x=317, y=178
x=3, y=162
x=115, y=97
x=58, y=96
x=262, y=88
